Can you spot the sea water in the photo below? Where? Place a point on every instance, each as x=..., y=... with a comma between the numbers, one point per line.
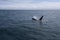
x=18, y=25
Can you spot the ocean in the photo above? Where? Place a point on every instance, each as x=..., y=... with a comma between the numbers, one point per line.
x=18, y=25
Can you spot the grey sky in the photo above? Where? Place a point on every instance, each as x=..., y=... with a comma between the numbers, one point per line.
x=29, y=4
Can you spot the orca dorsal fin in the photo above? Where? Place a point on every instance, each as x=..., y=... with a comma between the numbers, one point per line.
x=41, y=18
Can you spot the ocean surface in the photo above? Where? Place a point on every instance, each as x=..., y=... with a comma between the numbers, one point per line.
x=18, y=25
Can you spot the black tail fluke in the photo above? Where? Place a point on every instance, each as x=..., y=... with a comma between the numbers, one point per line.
x=41, y=18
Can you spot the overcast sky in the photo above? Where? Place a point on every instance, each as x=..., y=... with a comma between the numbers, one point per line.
x=29, y=4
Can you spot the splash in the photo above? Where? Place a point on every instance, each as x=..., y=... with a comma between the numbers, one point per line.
x=35, y=17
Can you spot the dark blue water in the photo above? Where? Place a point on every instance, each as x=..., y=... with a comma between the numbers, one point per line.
x=18, y=25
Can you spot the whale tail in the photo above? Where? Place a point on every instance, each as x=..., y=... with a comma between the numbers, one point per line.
x=41, y=18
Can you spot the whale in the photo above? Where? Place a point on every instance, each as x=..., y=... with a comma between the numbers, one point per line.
x=36, y=19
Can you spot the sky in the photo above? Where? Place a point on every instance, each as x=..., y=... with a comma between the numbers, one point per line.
x=29, y=4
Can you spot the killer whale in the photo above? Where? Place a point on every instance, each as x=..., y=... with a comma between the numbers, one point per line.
x=35, y=18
